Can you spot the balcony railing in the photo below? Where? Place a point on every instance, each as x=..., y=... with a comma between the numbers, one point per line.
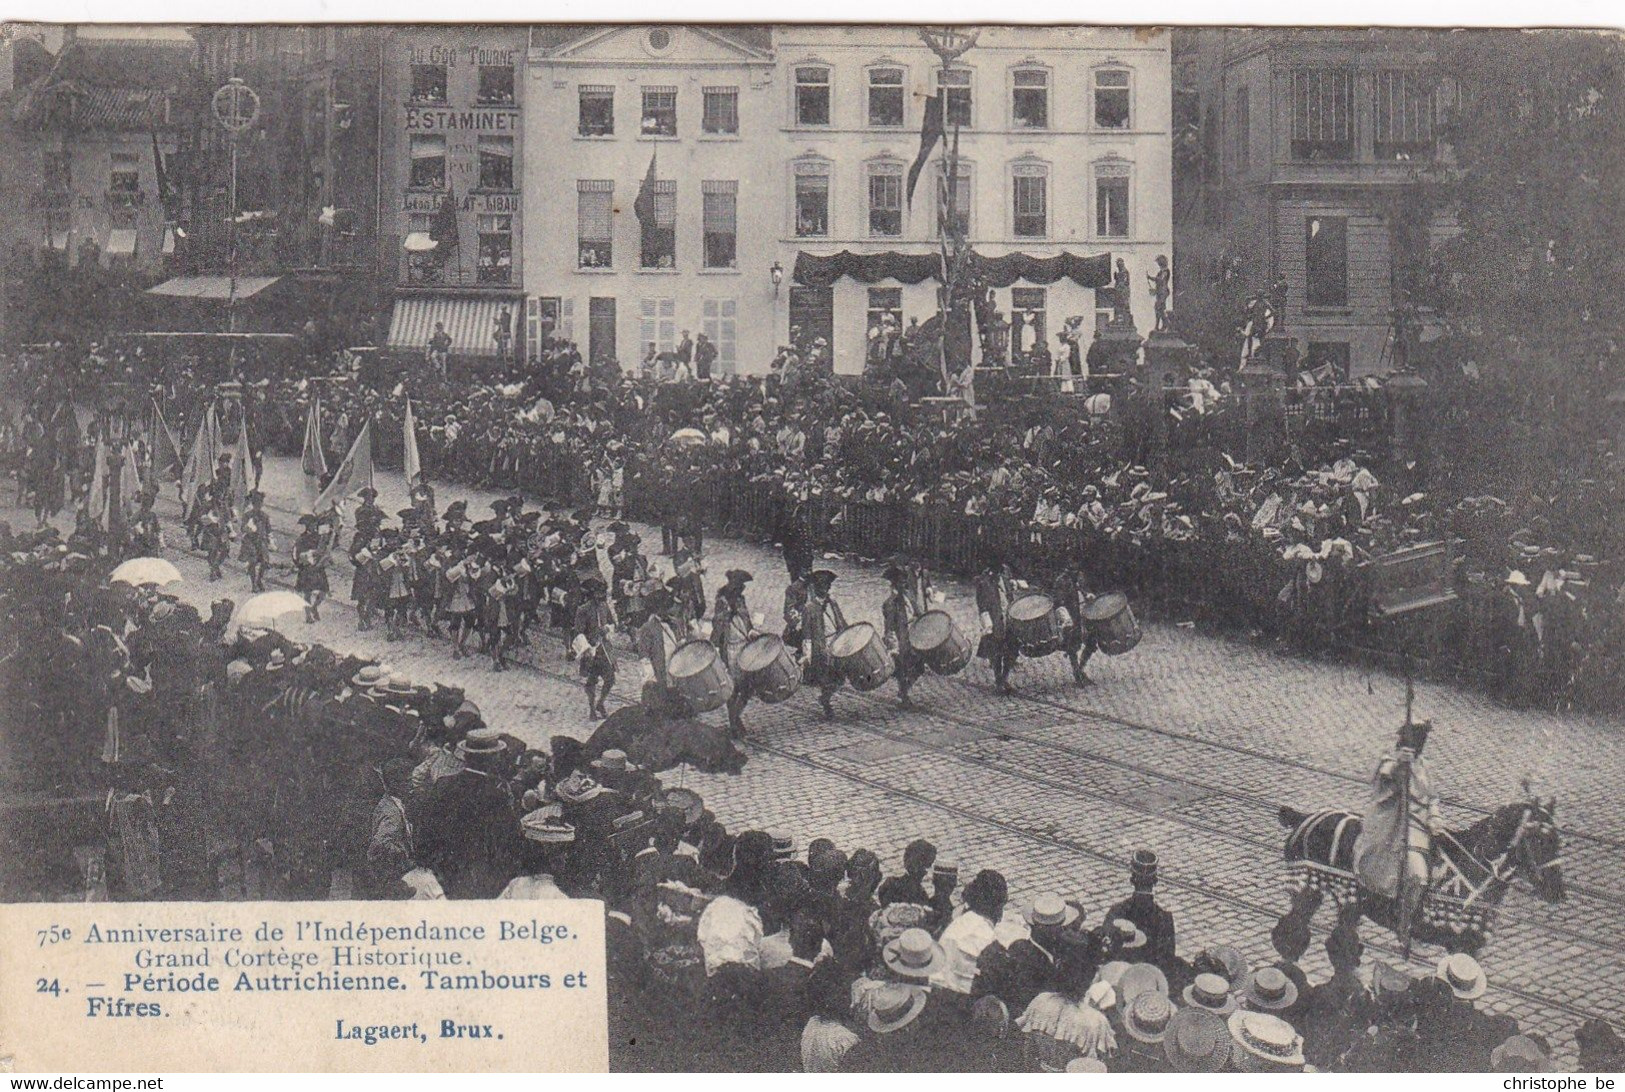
x=429, y=276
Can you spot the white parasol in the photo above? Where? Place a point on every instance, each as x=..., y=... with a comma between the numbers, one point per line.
x=689, y=437
x=269, y=610
x=141, y=571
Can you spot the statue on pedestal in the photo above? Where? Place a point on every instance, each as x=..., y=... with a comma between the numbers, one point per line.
x=1121, y=314
x=1161, y=288
x=1277, y=297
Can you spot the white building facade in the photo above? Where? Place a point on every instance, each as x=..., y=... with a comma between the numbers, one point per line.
x=772, y=148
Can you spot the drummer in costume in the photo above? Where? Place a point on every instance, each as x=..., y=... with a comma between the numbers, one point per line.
x=691, y=584
x=795, y=613
x=311, y=552
x=657, y=639
x=1073, y=595
x=592, y=623
x=731, y=630
x=899, y=611
x=824, y=620
x=369, y=517
x=422, y=497
x=499, y=618
x=457, y=599
x=995, y=591
x=255, y=550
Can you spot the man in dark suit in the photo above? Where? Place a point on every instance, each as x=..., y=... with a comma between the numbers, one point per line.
x=1156, y=923
x=782, y=1000
x=994, y=594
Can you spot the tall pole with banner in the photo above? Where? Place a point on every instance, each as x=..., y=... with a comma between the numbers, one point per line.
x=950, y=43
x=235, y=106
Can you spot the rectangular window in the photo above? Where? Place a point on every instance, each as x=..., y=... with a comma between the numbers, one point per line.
x=659, y=233
x=596, y=111
x=126, y=173
x=1026, y=320
x=659, y=324
x=886, y=201
x=719, y=322
x=595, y=224
x=1244, y=130
x=957, y=219
x=428, y=161
x=812, y=205
x=1333, y=353
x=1112, y=105
x=659, y=111
x=720, y=216
x=812, y=96
x=423, y=262
x=721, y=111
x=1323, y=114
x=1402, y=116
x=884, y=303
x=495, y=255
x=1031, y=212
x=1326, y=256
x=496, y=85
x=956, y=97
x=496, y=162
x=1029, y=99
x=886, y=97
x=1111, y=204
x=541, y=323
x=428, y=83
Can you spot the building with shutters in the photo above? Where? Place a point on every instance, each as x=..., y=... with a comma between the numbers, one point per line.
x=1305, y=147
x=452, y=133
x=688, y=118
x=1064, y=146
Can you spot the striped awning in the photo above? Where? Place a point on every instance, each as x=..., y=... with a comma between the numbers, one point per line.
x=212, y=287
x=471, y=323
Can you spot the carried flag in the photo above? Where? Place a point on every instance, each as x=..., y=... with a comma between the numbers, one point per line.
x=413, y=464
x=129, y=486
x=241, y=467
x=167, y=460
x=96, y=496
x=930, y=133
x=312, y=460
x=200, y=464
x=354, y=474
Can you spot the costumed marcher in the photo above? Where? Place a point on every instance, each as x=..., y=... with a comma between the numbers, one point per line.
x=995, y=591
x=593, y=621
x=311, y=553
x=824, y=620
x=1073, y=594
x=1393, y=853
x=899, y=611
x=255, y=550
x=731, y=630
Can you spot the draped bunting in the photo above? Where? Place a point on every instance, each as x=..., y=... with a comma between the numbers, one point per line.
x=818, y=271
x=821, y=271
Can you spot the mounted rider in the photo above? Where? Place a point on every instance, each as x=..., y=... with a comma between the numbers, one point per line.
x=1401, y=821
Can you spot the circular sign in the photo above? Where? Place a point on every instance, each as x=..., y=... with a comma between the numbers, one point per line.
x=236, y=106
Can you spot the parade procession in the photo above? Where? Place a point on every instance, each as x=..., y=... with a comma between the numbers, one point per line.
x=995, y=549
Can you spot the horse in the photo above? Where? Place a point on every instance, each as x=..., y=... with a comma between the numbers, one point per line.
x=1472, y=871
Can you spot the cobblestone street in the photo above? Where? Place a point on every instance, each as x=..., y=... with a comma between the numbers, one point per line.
x=1187, y=745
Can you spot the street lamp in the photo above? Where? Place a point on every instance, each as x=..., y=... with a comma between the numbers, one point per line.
x=235, y=106
x=777, y=273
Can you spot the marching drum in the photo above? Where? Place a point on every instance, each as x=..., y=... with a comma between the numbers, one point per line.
x=770, y=668
x=700, y=676
x=861, y=656
x=1036, y=625
x=1112, y=621
x=939, y=643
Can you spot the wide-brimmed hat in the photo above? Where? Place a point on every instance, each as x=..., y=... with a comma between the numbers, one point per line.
x=1197, y=1041
x=1050, y=909
x=1125, y=934
x=367, y=493
x=1141, y=978
x=369, y=677
x=824, y=577
x=1270, y=991
x=1520, y=1054
x=1146, y=1018
x=1266, y=1038
x=1463, y=975
x=894, y=1006
x=481, y=741
x=890, y=922
x=915, y=955
x=1238, y=972
x=395, y=686
x=1211, y=993
x=545, y=826
x=578, y=788
x=739, y=576
x=614, y=760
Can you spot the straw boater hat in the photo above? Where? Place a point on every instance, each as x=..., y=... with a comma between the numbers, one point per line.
x=1270, y=991
x=894, y=1006
x=1238, y=972
x=614, y=760
x=1262, y=1040
x=1210, y=992
x=1146, y=1018
x=1521, y=1054
x=369, y=677
x=1463, y=975
x=1141, y=978
x=481, y=741
x=1197, y=1042
x=1126, y=934
x=914, y=955
x=544, y=825
x=1050, y=909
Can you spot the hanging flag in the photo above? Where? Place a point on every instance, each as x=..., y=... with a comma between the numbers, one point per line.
x=242, y=466
x=354, y=474
x=644, y=206
x=200, y=464
x=167, y=460
x=413, y=464
x=312, y=460
x=443, y=228
x=930, y=133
